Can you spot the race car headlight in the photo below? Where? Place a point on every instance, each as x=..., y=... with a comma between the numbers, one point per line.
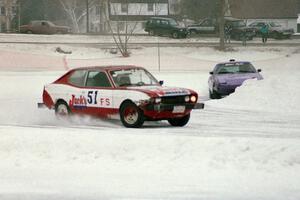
x=187, y=99
x=143, y=102
x=157, y=100
x=193, y=99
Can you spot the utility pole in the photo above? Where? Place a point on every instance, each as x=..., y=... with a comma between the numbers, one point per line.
x=19, y=15
x=87, y=16
x=102, y=13
x=221, y=24
x=7, y=14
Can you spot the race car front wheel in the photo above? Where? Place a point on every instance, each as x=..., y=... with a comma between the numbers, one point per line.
x=62, y=109
x=182, y=121
x=131, y=115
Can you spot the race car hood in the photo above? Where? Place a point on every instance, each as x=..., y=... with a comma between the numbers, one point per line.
x=160, y=91
x=237, y=79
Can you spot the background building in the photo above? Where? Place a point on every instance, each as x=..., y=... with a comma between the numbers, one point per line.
x=135, y=12
x=284, y=12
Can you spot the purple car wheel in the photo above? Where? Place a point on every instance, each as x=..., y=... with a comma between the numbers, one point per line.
x=214, y=95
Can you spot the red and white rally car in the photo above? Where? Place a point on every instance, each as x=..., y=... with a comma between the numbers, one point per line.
x=128, y=92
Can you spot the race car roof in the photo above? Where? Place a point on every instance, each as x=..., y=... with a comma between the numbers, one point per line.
x=106, y=67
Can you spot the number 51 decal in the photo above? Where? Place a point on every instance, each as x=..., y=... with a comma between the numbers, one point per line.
x=92, y=97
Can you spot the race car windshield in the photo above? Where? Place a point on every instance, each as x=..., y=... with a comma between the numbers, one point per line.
x=235, y=68
x=132, y=77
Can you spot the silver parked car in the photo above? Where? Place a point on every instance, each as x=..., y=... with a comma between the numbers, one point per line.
x=276, y=30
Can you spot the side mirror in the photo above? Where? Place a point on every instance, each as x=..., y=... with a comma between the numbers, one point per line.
x=211, y=73
x=259, y=70
x=161, y=82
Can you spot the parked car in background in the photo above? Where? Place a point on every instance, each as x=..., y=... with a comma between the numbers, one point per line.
x=205, y=26
x=44, y=27
x=127, y=92
x=276, y=30
x=227, y=76
x=165, y=26
x=240, y=29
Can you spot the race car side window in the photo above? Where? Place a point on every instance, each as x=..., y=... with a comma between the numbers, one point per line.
x=78, y=78
x=97, y=79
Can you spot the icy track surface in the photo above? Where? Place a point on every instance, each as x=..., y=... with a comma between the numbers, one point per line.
x=245, y=146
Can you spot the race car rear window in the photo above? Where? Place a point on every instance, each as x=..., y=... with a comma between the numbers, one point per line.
x=97, y=79
x=77, y=78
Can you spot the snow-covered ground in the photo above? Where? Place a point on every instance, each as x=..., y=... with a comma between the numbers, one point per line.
x=245, y=146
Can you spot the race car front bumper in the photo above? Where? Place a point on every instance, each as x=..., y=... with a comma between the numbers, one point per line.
x=171, y=107
x=199, y=106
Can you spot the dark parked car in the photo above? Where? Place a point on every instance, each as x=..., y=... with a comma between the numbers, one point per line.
x=165, y=26
x=276, y=30
x=205, y=26
x=44, y=27
x=240, y=29
x=227, y=76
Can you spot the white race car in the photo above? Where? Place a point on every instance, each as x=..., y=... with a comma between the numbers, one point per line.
x=128, y=92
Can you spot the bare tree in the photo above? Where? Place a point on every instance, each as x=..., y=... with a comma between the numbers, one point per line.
x=122, y=37
x=76, y=10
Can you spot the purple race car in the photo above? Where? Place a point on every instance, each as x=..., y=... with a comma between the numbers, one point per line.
x=229, y=75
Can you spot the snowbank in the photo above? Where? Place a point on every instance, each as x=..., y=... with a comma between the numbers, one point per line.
x=278, y=92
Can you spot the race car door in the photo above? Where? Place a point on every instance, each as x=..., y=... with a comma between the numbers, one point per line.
x=98, y=93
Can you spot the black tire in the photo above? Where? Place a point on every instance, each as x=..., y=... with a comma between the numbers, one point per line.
x=179, y=122
x=151, y=32
x=175, y=35
x=214, y=95
x=131, y=115
x=250, y=38
x=62, y=109
x=192, y=32
x=189, y=34
x=277, y=35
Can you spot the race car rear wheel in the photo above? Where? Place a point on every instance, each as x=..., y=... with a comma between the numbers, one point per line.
x=131, y=115
x=182, y=121
x=62, y=109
